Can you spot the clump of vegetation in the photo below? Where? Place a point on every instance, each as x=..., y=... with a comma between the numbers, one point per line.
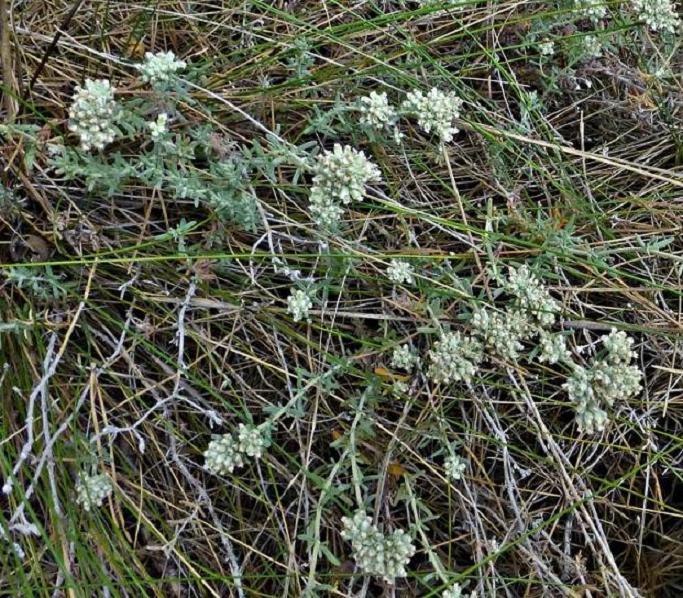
x=174, y=155
x=341, y=300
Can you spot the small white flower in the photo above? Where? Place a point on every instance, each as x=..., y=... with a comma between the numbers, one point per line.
x=454, y=466
x=546, y=47
x=93, y=114
x=298, y=304
x=619, y=347
x=579, y=387
x=658, y=15
x=613, y=381
x=591, y=9
x=591, y=419
x=404, y=358
x=531, y=297
x=158, y=69
x=91, y=491
x=604, y=382
x=158, y=127
x=343, y=173
x=376, y=111
x=435, y=111
x=400, y=271
x=592, y=46
x=325, y=212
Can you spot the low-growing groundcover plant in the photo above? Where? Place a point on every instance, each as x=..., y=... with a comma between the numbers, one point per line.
x=341, y=299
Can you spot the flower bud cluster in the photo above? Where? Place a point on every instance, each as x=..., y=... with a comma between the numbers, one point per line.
x=435, y=111
x=91, y=491
x=340, y=178
x=160, y=68
x=375, y=553
x=606, y=380
x=93, y=114
x=225, y=453
x=658, y=15
x=299, y=304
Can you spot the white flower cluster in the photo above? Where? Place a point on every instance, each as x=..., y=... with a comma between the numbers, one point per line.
x=546, y=47
x=92, y=490
x=226, y=452
x=343, y=174
x=404, y=358
x=553, y=348
x=658, y=15
x=619, y=346
x=299, y=304
x=377, y=113
x=454, y=357
x=325, y=212
x=589, y=415
x=501, y=332
x=592, y=46
x=531, y=311
x=603, y=382
x=435, y=111
x=531, y=297
x=614, y=377
x=158, y=69
x=222, y=455
x=454, y=466
x=340, y=178
x=252, y=440
x=158, y=127
x=591, y=9
x=377, y=554
x=400, y=271
x=93, y=114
